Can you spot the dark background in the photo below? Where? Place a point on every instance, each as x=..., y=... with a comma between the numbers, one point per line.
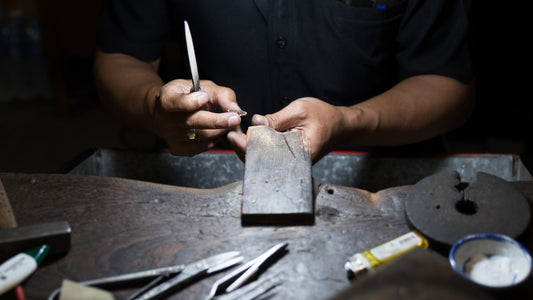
x=42, y=133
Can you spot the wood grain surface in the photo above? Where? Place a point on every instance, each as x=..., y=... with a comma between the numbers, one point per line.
x=121, y=226
x=7, y=218
x=277, y=178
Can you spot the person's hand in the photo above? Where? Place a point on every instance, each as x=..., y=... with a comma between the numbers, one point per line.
x=184, y=120
x=321, y=122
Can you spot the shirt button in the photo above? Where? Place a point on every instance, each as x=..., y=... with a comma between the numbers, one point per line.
x=285, y=101
x=281, y=42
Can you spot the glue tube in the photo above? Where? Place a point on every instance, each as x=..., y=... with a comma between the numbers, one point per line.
x=369, y=259
x=14, y=270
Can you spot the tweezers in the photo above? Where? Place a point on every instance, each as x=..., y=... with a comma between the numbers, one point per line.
x=243, y=274
x=186, y=272
x=190, y=272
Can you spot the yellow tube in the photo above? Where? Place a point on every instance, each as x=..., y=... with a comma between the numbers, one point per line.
x=376, y=256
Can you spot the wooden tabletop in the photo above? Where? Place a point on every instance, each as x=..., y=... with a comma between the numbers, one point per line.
x=121, y=225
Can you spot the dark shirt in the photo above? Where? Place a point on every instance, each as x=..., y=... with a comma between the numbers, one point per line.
x=271, y=52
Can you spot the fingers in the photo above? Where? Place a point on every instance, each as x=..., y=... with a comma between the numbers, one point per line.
x=178, y=113
x=220, y=96
x=175, y=101
x=208, y=120
x=238, y=140
x=316, y=118
x=289, y=117
x=175, y=96
x=260, y=120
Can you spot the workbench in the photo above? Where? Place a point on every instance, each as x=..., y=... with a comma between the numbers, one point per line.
x=122, y=225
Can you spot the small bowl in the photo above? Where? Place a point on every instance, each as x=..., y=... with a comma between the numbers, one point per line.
x=491, y=260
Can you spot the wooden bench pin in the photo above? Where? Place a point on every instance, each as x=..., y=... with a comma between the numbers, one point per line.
x=277, y=188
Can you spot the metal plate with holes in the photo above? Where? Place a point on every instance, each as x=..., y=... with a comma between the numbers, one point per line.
x=444, y=209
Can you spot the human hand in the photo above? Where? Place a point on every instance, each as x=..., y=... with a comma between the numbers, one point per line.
x=177, y=111
x=322, y=122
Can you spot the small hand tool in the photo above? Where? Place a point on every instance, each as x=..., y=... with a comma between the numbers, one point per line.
x=262, y=288
x=192, y=271
x=185, y=273
x=242, y=275
x=125, y=278
x=191, y=133
x=192, y=59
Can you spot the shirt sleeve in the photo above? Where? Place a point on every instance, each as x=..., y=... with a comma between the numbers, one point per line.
x=135, y=27
x=433, y=39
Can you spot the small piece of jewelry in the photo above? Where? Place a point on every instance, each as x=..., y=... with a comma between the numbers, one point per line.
x=191, y=134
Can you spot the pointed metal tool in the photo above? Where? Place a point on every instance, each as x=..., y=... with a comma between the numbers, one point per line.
x=192, y=59
x=192, y=271
x=243, y=274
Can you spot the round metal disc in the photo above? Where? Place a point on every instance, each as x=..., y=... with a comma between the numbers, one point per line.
x=441, y=211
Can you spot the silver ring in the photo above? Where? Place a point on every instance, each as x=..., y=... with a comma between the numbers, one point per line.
x=191, y=134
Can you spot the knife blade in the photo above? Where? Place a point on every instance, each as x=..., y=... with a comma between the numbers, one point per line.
x=192, y=59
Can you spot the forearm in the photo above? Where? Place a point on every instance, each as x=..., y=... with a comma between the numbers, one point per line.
x=418, y=108
x=127, y=86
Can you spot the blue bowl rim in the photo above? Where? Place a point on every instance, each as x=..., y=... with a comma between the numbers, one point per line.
x=487, y=236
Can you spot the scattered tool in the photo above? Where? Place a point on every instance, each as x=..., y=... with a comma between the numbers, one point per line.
x=444, y=209
x=186, y=273
x=193, y=271
x=243, y=274
x=262, y=288
x=277, y=188
x=191, y=133
x=125, y=278
x=192, y=59
x=167, y=279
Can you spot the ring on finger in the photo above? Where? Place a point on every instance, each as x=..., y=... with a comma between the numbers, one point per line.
x=191, y=134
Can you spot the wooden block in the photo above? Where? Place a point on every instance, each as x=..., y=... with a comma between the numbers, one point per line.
x=277, y=188
x=19, y=239
x=7, y=218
